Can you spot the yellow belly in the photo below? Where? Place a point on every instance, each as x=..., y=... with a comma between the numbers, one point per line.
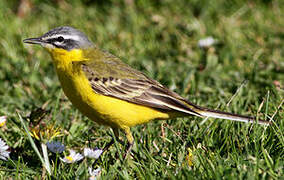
x=103, y=109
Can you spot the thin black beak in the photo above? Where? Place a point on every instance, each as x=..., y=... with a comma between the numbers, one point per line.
x=33, y=41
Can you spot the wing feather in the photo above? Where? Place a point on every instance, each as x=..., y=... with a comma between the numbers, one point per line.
x=142, y=91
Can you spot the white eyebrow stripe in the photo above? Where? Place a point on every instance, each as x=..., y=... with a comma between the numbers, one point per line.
x=73, y=37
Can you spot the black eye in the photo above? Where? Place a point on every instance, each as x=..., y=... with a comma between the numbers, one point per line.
x=60, y=39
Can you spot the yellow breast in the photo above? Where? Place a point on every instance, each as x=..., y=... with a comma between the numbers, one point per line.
x=102, y=109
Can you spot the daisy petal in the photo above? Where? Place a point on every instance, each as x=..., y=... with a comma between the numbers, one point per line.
x=94, y=173
x=206, y=42
x=92, y=153
x=3, y=120
x=73, y=157
x=4, y=154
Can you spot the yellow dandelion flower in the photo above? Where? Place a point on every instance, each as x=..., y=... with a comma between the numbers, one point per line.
x=47, y=133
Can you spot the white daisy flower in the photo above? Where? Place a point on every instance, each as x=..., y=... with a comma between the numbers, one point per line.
x=3, y=120
x=94, y=173
x=206, y=42
x=92, y=153
x=4, y=154
x=73, y=157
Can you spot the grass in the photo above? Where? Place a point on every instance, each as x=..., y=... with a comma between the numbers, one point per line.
x=242, y=73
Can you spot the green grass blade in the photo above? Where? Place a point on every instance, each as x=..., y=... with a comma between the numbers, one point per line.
x=32, y=142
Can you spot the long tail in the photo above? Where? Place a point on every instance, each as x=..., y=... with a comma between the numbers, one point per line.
x=224, y=115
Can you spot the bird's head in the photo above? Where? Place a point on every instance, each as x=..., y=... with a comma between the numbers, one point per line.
x=65, y=38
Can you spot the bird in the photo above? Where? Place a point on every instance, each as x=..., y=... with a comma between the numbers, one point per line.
x=110, y=92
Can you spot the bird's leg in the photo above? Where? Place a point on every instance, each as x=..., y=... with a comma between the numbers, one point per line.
x=108, y=145
x=130, y=140
x=116, y=134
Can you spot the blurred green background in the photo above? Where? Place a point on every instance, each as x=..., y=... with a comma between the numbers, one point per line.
x=242, y=72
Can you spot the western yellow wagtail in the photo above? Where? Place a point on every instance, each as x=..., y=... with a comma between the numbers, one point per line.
x=109, y=91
